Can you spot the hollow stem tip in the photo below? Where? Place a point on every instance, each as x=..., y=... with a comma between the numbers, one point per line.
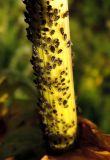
x=51, y=59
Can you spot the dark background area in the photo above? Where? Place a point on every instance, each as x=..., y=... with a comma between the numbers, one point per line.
x=90, y=34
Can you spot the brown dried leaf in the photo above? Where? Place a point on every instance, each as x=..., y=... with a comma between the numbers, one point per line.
x=91, y=144
x=90, y=136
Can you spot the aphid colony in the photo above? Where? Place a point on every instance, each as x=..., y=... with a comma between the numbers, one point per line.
x=42, y=43
x=51, y=45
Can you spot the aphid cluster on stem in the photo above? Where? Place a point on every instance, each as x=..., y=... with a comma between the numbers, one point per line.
x=51, y=52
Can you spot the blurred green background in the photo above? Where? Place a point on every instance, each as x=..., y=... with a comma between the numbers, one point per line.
x=90, y=34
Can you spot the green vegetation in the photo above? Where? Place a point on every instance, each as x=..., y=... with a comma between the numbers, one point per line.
x=90, y=34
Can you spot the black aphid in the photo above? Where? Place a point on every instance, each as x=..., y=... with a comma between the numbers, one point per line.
x=50, y=22
x=56, y=11
x=48, y=2
x=69, y=43
x=56, y=24
x=56, y=18
x=52, y=48
x=66, y=14
x=60, y=50
x=62, y=30
x=64, y=102
x=52, y=32
x=59, y=89
x=65, y=36
x=59, y=99
x=63, y=72
x=54, y=66
x=45, y=29
x=59, y=61
x=48, y=39
x=52, y=58
x=62, y=80
x=56, y=42
x=49, y=7
x=49, y=67
x=69, y=96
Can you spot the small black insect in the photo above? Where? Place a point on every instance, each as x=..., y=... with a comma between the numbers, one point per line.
x=64, y=102
x=65, y=36
x=56, y=18
x=52, y=48
x=48, y=39
x=66, y=14
x=45, y=29
x=52, y=58
x=52, y=32
x=62, y=30
x=49, y=8
x=63, y=72
x=54, y=66
x=60, y=50
x=56, y=11
x=69, y=43
x=59, y=61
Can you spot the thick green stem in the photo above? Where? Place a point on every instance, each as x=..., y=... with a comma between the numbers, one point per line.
x=49, y=32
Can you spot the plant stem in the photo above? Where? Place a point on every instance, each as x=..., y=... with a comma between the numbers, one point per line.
x=52, y=63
